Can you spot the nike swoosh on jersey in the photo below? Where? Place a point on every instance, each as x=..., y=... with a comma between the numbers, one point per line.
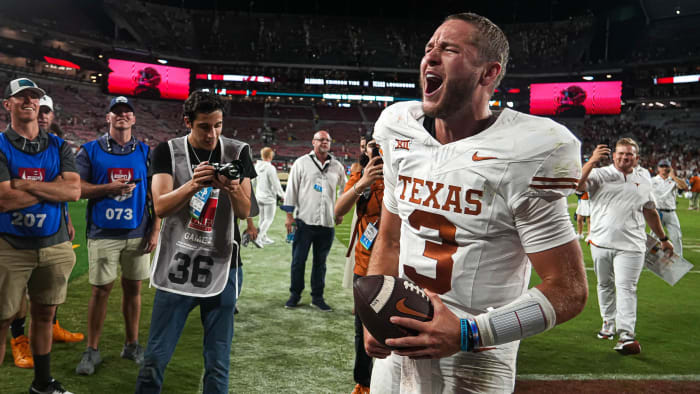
x=403, y=308
x=476, y=157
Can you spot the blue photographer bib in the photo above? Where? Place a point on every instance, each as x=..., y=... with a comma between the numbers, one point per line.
x=118, y=211
x=42, y=219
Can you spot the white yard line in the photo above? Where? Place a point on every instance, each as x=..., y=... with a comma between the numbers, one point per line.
x=608, y=377
x=690, y=272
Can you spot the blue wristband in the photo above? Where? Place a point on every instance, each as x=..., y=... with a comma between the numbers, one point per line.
x=463, y=344
x=474, y=331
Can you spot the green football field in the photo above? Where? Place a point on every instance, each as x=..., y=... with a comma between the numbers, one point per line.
x=306, y=351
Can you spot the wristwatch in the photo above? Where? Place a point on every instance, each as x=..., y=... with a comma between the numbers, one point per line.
x=664, y=239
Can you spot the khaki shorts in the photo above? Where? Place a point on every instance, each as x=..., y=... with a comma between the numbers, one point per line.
x=42, y=272
x=106, y=255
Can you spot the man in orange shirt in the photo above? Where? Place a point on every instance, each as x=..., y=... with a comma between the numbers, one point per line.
x=364, y=190
x=695, y=189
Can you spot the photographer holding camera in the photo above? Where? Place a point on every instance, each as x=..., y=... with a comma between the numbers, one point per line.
x=201, y=185
x=365, y=190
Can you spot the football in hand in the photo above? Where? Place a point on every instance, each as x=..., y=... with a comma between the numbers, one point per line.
x=379, y=297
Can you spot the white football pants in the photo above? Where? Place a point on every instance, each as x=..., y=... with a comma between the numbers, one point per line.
x=489, y=371
x=673, y=230
x=618, y=273
x=267, y=215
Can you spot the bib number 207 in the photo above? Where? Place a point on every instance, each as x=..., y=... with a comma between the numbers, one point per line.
x=199, y=275
x=28, y=219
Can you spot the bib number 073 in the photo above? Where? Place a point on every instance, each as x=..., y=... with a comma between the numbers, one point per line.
x=119, y=214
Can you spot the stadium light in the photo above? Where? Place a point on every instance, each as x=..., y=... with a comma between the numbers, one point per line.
x=162, y=61
x=588, y=77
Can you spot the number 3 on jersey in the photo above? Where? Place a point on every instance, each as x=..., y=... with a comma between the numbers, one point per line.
x=440, y=252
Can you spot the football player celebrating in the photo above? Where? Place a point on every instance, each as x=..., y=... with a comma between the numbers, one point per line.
x=472, y=200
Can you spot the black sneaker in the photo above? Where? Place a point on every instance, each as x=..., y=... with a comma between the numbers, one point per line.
x=91, y=359
x=292, y=303
x=53, y=388
x=321, y=305
x=134, y=352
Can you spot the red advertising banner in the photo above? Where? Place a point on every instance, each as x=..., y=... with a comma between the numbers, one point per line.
x=148, y=80
x=576, y=98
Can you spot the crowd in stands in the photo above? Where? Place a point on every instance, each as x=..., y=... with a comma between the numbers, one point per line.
x=331, y=40
x=249, y=37
x=288, y=127
x=656, y=142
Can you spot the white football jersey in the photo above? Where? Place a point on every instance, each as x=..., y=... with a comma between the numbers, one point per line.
x=472, y=209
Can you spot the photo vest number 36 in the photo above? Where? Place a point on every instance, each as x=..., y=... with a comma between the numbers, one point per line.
x=194, y=255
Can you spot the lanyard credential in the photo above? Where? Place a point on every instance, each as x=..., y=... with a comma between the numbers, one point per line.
x=325, y=166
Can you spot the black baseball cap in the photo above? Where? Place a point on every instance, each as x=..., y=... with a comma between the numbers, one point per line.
x=120, y=100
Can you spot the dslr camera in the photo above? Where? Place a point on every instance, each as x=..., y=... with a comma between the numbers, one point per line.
x=232, y=170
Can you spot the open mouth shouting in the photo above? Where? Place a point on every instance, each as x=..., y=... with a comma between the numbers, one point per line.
x=433, y=84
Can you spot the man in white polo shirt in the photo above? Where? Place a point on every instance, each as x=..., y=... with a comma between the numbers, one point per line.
x=665, y=186
x=621, y=202
x=312, y=188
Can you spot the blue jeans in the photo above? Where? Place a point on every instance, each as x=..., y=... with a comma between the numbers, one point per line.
x=170, y=312
x=322, y=239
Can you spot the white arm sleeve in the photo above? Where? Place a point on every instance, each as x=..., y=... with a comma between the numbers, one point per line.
x=529, y=314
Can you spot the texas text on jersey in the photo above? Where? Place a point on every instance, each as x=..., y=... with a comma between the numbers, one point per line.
x=473, y=208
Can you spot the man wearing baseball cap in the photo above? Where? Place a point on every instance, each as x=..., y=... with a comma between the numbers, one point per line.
x=21, y=352
x=121, y=232
x=37, y=175
x=665, y=186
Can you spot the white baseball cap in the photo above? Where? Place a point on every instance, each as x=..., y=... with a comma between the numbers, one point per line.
x=46, y=101
x=17, y=85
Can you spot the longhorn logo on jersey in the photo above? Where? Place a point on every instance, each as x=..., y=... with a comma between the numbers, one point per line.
x=32, y=174
x=205, y=222
x=119, y=175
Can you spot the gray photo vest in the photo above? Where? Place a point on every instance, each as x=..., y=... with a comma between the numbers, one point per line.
x=193, y=257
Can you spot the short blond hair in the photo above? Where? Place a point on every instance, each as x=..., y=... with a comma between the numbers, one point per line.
x=267, y=153
x=629, y=142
